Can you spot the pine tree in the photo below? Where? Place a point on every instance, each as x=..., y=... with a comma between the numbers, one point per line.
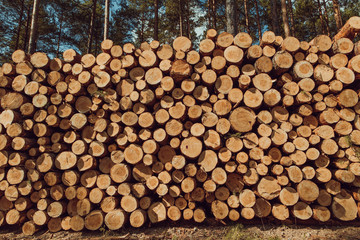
x=21, y=14
x=258, y=22
x=274, y=12
x=246, y=16
x=231, y=23
x=33, y=31
x=156, y=20
x=291, y=15
x=106, y=22
x=91, y=27
x=337, y=14
x=285, y=18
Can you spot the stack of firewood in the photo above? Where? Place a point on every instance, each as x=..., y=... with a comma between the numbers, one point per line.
x=234, y=130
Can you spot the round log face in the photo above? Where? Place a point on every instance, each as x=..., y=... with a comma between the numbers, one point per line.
x=191, y=147
x=65, y=160
x=157, y=212
x=344, y=206
x=242, y=119
x=268, y=188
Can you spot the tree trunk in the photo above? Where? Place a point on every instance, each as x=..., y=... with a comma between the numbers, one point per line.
x=59, y=37
x=156, y=20
x=337, y=14
x=321, y=17
x=231, y=17
x=142, y=28
x=91, y=27
x=27, y=28
x=33, y=31
x=106, y=21
x=188, y=31
x=285, y=18
x=97, y=35
x=258, y=18
x=326, y=19
x=19, y=25
x=209, y=14
x=180, y=18
x=275, y=23
x=290, y=7
x=246, y=10
x=213, y=12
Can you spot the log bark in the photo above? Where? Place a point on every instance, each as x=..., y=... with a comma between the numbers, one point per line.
x=350, y=29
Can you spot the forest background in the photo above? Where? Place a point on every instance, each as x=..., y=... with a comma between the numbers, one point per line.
x=80, y=24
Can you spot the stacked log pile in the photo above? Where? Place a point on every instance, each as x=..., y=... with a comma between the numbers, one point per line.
x=236, y=130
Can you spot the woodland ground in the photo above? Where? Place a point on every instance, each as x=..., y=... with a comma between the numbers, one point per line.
x=269, y=230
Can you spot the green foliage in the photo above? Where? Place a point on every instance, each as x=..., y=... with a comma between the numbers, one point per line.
x=356, y=149
x=123, y=21
x=236, y=134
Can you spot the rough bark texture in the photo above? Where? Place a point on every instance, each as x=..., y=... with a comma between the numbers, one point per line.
x=337, y=14
x=106, y=19
x=91, y=27
x=274, y=11
x=285, y=18
x=156, y=20
x=33, y=29
x=231, y=20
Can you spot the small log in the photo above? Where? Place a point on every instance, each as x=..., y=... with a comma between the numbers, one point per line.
x=302, y=69
x=302, y=211
x=247, y=213
x=323, y=73
x=242, y=119
x=180, y=70
x=233, y=55
x=322, y=42
x=138, y=218
x=19, y=56
x=280, y=212
x=308, y=191
x=199, y=215
x=247, y=198
x=290, y=44
x=321, y=213
x=206, y=46
x=243, y=40
x=157, y=212
x=182, y=44
x=263, y=65
x=268, y=188
x=254, y=52
x=344, y=206
x=77, y=223
x=30, y=228
x=39, y=60
x=218, y=63
x=219, y=209
x=224, y=40
x=94, y=220
x=262, y=208
x=282, y=61
x=188, y=184
x=120, y=172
